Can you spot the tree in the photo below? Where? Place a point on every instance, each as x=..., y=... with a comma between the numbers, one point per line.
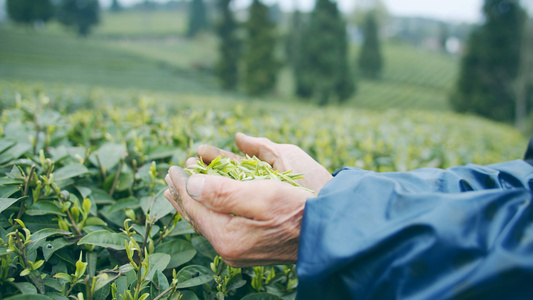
x=370, y=59
x=227, y=66
x=261, y=65
x=322, y=70
x=29, y=11
x=490, y=65
x=115, y=6
x=80, y=14
x=197, y=17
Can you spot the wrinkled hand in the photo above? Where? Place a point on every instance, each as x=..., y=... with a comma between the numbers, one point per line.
x=282, y=157
x=248, y=222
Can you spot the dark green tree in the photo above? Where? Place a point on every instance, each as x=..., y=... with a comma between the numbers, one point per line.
x=227, y=66
x=322, y=69
x=293, y=41
x=261, y=65
x=490, y=65
x=370, y=60
x=79, y=14
x=115, y=6
x=197, y=18
x=29, y=11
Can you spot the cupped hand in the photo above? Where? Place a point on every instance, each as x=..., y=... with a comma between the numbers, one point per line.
x=247, y=222
x=282, y=157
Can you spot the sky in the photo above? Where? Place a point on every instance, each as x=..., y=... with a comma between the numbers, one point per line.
x=447, y=10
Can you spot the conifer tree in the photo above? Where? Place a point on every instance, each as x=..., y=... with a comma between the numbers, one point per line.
x=29, y=11
x=197, y=18
x=490, y=65
x=370, y=59
x=323, y=71
x=79, y=14
x=261, y=66
x=227, y=66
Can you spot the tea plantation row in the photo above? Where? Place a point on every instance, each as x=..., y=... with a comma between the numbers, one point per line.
x=81, y=178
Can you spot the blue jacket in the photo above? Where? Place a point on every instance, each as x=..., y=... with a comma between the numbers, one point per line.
x=461, y=233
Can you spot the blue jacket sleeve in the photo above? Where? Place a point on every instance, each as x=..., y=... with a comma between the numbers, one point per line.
x=462, y=233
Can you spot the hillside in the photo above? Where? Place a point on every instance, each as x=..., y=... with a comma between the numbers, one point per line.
x=145, y=50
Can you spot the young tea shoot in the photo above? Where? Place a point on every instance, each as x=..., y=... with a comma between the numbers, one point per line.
x=248, y=168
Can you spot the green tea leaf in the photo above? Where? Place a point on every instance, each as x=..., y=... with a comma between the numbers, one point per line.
x=7, y=190
x=52, y=246
x=124, y=204
x=194, y=275
x=108, y=156
x=7, y=202
x=180, y=252
x=106, y=239
x=44, y=207
x=261, y=296
x=70, y=171
x=157, y=262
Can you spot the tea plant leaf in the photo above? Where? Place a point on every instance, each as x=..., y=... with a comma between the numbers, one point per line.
x=108, y=156
x=52, y=246
x=70, y=171
x=261, y=296
x=8, y=190
x=44, y=207
x=194, y=275
x=25, y=288
x=180, y=252
x=106, y=239
x=7, y=202
x=14, y=152
x=123, y=204
x=5, y=144
x=157, y=262
x=203, y=246
x=159, y=206
x=188, y=295
x=47, y=232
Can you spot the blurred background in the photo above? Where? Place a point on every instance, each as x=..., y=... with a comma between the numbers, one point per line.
x=467, y=56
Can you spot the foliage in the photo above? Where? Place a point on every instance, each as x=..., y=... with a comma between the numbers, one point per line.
x=79, y=14
x=81, y=181
x=227, y=67
x=197, y=18
x=370, y=59
x=248, y=168
x=261, y=66
x=29, y=11
x=490, y=66
x=323, y=70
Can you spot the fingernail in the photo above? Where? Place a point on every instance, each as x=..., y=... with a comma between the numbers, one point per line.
x=195, y=185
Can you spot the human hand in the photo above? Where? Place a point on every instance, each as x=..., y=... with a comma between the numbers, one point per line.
x=282, y=157
x=248, y=222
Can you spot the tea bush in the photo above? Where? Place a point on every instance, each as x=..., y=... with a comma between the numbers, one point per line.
x=82, y=211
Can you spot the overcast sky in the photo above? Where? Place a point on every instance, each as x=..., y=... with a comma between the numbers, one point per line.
x=449, y=10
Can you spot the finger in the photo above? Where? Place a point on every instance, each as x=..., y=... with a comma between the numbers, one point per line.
x=191, y=161
x=255, y=200
x=262, y=148
x=207, y=153
x=170, y=199
x=205, y=221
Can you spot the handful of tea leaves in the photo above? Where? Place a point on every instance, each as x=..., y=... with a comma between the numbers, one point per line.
x=249, y=168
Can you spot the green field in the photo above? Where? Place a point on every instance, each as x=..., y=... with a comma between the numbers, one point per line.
x=147, y=50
